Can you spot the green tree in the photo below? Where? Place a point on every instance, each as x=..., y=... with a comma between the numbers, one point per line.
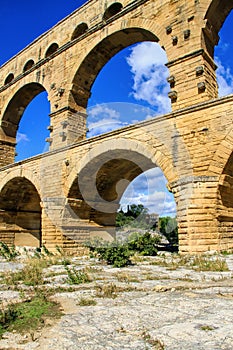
x=136, y=216
x=168, y=227
x=122, y=219
x=138, y=209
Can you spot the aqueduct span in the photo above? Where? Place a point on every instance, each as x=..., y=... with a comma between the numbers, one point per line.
x=72, y=192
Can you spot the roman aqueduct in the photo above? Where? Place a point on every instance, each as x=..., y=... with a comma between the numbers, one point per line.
x=72, y=192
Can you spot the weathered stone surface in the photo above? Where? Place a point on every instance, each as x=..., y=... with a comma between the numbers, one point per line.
x=178, y=308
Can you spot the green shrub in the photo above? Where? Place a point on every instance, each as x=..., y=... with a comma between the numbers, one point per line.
x=116, y=255
x=65, y=261
x=120, y=254
x=77, y=276
x=144, y=244
x=27, y=316
x=46, y=251
x=7, y=316
x=9, y=253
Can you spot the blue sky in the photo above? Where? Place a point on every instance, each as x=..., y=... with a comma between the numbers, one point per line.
x=138, y=92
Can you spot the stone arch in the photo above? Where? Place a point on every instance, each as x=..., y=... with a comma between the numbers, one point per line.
x=112, y=10
x=20, y=213
x=17, y=105
x=25, y=173
x=51, y=49
x=222, y=155
x=160, y=157
x=95, y=187
x=28, y=65
x=226, y=184
x=9, y=78
x=222, y=167
x=215, y=16
x=79, y=30
x=100, y=55
x=225, y=205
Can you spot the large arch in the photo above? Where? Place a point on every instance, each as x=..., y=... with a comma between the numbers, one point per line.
x=101, y=183
x=160, y=157
x=20, y=213
x=222, y=153
x=17, y=105
x=222, y=167
x=225, y=205
x=28, y=104
x=96, y=185
x=100, y=55
x=215, y=16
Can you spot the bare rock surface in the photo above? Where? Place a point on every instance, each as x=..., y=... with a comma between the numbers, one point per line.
x=144, y=306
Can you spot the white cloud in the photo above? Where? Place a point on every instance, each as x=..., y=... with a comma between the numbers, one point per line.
x=147, y=63
x=224, y=79
x=104, y=111
x=22, y=137
x=157, y=202
x=112, y=115
x=103, y=119
x=104, y=125
x=150, y=190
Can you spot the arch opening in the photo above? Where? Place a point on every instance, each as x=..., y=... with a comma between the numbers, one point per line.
x=52, y=49
x=99, y=56
x=28, y=65
x=79, y=30
x=112, y=10
x=20, y=213
x=97, y=193
x=20, y=120
x=132, y=86
x=225, y=207
x=215, y=17
x=9, y=78
x=147, y=206
x=226, y=186
x=223, y=57
x=103, y=174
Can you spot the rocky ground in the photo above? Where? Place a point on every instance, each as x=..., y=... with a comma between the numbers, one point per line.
x=155, y=304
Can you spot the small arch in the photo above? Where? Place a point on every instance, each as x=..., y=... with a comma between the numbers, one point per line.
x=79, y=30
x=112, y=10
x=9, y=78
x=52, y=48
x=28, y=65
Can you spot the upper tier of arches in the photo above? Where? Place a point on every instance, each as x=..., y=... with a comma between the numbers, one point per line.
x=212, y=15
